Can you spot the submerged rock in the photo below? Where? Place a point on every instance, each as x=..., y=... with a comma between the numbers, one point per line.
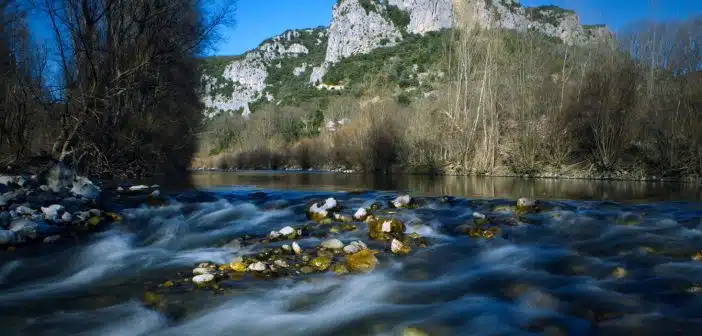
x=202, y=270
x=362, y=261
x=697, y=256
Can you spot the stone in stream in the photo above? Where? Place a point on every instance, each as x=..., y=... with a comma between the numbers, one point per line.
x=333, y=244
x=401, y=202
x=60, y=177
x=203, y=279
x=24, y=228
x=361, y=214
x=385, y=229
x=526, y=205
x=354, y=247
x=296, y=248
x=66, y=217
x=202, y=270
x=257, y=267
x=399, y=247
x=85, y=188
x=319, y=211
x=53, y=212
x=363, y=261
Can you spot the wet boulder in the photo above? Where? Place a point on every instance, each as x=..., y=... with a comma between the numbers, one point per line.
x=398, y=247
x=321, y=210
x=53, y=212
x=385, y=229
x=363, y=261
x=527, y=205
x=85, y=188
x=402, y=202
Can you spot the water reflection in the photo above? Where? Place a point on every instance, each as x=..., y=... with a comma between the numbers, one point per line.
x=466, y=186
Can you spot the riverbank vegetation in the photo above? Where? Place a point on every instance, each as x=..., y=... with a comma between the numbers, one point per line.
x=115, y=91
x=494, y=102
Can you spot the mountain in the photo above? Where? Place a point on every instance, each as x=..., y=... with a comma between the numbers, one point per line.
x=301, y=63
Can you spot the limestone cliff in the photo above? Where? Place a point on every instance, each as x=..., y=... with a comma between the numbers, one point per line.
x=361, y=26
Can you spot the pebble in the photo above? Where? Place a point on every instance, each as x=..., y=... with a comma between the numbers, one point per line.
x=286, y=231
x=360, y=214
x=296, y=248
x=281, y=263
x=286, y=247
x=525, y=203
x=274, y=235
x=257, y=266
x=155, y=193
x=333, y=244
x=479, y=215
x=138, y=188
x=203, y=278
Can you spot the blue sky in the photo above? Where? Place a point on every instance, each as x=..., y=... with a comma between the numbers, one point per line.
x=260, y=19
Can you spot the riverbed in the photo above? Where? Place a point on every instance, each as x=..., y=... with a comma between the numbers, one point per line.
x=596, y=258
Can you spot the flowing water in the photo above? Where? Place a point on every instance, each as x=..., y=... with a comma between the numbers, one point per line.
x=600, y=258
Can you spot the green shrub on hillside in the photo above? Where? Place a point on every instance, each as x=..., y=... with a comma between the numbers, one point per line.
x=398, y=17
x=549, y=14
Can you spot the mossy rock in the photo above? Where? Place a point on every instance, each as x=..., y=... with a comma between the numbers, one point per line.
x=321, y=263
x=339, y=269
x=697, y=256
x=386, y=229
x=317, y=216
x=363, y=261
x=489, y=233
x=238, y=267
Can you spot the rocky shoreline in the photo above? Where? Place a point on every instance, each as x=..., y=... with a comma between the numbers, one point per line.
x=57, y=205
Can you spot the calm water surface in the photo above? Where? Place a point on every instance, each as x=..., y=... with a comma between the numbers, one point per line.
x=600, y=258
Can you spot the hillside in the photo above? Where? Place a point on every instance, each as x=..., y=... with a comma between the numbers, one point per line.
x=301, y=65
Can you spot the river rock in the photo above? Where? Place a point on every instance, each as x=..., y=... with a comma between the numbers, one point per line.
x=296, y=248
x=360, y=214
x=24, y=210
x=85, y=188
x=333, y=244
x=25, y=228
x=67, y=217
x=53, y=212
x=203, y=278
x=399, y=247
x=402, y=201
x=320, y=211
x=385, y=229
x=526, y=204
x=355, y=246
x=287, y=231
x=362, y=261
x=6, y=237
x=257, y=267
x=60, y=177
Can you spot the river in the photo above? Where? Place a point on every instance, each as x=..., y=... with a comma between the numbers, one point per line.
x=597, y=258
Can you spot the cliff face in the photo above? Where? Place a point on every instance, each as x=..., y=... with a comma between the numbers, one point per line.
x=361, y=26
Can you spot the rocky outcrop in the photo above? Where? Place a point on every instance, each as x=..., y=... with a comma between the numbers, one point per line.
x=426, y=15
x=244, y=80
x=361, y=26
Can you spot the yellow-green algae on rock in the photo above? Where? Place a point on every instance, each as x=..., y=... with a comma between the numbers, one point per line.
x=385, y=229
x=362, y=261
